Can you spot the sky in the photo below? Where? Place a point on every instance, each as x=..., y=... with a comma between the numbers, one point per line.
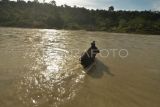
x=118, y=4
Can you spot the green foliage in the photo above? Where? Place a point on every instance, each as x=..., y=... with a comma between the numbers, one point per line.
x=44, y=15
x=111, y=8
x=53, y=3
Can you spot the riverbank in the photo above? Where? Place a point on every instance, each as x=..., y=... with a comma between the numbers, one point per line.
x=137, y=33
x=50, y=16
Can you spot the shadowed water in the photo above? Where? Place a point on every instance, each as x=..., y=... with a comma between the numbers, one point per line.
x=40, y=67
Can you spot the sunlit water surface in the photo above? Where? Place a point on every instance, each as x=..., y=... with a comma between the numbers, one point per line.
x=40, y=67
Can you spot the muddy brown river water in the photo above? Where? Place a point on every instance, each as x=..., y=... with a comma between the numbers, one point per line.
x=40, y=68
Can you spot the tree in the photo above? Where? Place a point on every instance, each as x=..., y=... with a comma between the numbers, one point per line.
x=111, y=9
x=5, y=1
x=36, y=1
x=44, y=15
x=53, y=3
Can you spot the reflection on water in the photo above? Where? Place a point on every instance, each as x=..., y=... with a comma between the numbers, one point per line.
x=37, y=68
x=98, y=70
x=50, y=79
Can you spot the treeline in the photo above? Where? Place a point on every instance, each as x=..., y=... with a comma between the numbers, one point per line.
x=48, y=15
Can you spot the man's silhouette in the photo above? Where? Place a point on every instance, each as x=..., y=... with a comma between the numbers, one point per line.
x=88, y=57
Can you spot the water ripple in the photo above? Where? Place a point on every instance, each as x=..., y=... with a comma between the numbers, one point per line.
x=50, y=80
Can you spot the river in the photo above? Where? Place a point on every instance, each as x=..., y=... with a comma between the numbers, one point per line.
x=40, y=67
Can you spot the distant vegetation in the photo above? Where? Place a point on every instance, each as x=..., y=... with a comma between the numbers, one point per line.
x=48, y=15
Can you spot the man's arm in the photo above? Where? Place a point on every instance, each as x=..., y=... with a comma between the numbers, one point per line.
x=96, y=50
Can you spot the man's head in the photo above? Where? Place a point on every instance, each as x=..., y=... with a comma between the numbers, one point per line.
x=93, y=43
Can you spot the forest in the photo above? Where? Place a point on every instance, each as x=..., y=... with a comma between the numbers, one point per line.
x=49, y=15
